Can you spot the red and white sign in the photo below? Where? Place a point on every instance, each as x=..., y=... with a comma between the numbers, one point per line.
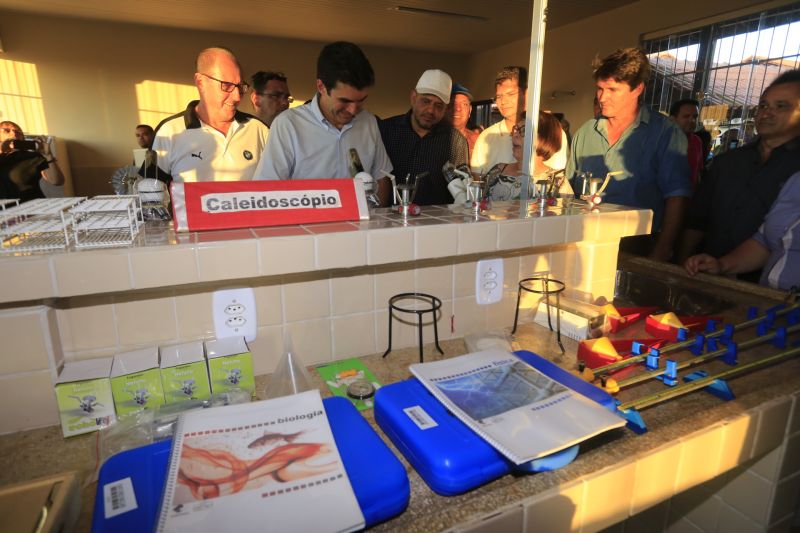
x=249, y=204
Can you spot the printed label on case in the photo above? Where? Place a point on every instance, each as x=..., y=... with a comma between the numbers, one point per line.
x=422, y=419
x=119, y=497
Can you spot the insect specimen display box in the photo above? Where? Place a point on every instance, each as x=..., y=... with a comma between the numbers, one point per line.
x=448, y=455
x=378, y=478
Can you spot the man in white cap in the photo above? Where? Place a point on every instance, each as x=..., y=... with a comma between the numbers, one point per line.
x=419, y=141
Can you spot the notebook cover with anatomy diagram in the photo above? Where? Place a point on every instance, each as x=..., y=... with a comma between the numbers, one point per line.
x=239, y=467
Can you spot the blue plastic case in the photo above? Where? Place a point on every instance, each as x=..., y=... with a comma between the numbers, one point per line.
x=450, y=457
x=378, y=478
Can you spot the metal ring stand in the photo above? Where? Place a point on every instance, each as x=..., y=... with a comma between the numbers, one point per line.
x=545, y=290
x=434, y=305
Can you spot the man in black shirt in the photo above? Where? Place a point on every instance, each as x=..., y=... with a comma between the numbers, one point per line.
x=21, y=168
x=420, y=141
x=742, y=184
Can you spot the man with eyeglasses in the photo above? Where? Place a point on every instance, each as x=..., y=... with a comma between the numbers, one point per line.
x=315, y=140
x=742, y=184
x=494, y=144
x=420, y=141
x=270, y=96
x=211, y=140
x=22, y=166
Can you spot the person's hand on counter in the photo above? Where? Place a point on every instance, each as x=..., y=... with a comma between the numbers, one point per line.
x=747, y=257
x=703, y=263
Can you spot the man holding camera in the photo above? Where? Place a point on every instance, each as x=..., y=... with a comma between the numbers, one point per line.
x=23, y=163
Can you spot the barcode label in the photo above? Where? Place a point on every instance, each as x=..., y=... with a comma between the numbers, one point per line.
x=422, y=419
x=119, y=497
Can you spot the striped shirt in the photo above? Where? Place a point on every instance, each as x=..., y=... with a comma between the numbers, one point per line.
x=780, y=234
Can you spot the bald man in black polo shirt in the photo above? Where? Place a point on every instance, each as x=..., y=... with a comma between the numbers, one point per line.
x=421, y=141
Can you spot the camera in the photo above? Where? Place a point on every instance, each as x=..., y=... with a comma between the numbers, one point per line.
x=30, y=146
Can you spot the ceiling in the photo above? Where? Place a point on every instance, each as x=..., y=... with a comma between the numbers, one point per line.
x=489, y=23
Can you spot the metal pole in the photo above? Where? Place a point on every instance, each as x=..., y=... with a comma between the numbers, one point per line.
x=680, y=390
x=532, y=99
x=697, y=360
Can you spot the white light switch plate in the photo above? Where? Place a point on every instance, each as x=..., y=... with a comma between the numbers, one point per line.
x=489, y=281
x=235, y=313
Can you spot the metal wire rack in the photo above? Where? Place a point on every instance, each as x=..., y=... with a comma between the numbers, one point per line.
x=54, y=223
x=35, y=226
x=106, y=221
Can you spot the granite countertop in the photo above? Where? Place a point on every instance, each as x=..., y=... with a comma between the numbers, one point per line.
x=40, y=452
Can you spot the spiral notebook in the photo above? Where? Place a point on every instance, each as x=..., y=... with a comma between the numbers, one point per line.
x=243, y=467
x=520, y=411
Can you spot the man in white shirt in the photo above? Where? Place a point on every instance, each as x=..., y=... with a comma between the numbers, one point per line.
x=494, y=143
x=316, y=140
x=211, y=140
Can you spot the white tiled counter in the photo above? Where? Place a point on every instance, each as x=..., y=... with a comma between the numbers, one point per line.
x=328, y=284
x=162, y=258
x=704, y=465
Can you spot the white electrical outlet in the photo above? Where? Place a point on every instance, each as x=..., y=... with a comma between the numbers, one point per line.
x=489, y=281
x=235, y=313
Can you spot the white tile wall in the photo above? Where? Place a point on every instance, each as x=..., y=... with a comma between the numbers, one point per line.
x=390, y=246
x=228, y=260
x=344, y=309
x=786, y=498
x=772, y=425
x=343, y=250
x=761, y=494
x=556, y=510
x=280, y=255
x=510, y=519
x=244, y=253
x=697, y=465
x=749, y=493
x=655, y=477
x=37, y=282
x=600, y=511
x=436, y=241
x=29, y=400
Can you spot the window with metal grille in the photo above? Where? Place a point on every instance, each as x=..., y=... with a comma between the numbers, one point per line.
x=725, y=66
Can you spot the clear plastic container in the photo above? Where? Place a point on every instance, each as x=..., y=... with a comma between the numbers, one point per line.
x=290, y=376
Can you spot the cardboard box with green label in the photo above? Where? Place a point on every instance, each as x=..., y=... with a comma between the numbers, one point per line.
x=83, y=393
x=136, y=381
x=183, y=372
x=230, y=365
